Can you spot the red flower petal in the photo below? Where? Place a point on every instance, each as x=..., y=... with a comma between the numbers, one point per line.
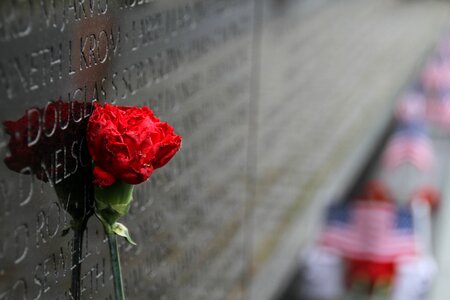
x=128, y=143
x=103, y=178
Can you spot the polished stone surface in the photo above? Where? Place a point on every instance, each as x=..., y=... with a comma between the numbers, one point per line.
x=278, y=102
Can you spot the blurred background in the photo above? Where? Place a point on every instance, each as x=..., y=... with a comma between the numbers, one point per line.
x=383, y=76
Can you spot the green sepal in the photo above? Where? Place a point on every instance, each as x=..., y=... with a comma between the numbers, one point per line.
x=114, y=201
x=106, y=225
x=122, y=230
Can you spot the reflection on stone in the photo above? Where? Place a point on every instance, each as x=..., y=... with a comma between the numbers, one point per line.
x=49, y=144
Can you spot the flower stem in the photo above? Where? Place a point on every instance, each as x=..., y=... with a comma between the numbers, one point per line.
x=115, y=266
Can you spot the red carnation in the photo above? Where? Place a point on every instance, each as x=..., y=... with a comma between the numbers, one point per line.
x=128, y=143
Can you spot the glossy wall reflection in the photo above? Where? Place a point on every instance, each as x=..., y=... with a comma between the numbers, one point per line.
x=57, y=58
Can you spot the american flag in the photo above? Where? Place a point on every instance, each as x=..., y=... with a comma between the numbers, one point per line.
x=370, y=230
x=411, y=108
x=409, y=144
x=438, y=110
x=436, y=75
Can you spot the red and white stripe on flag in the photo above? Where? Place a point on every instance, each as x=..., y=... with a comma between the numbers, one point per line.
x=370, y=230
x=436, y=75
x=416, y=150
x=411, y=108
x=438, y=111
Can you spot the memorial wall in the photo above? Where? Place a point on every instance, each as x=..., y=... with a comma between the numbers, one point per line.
x=190, y=61
x=227, y=216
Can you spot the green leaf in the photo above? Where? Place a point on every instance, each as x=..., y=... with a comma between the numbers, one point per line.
x=122, y=230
